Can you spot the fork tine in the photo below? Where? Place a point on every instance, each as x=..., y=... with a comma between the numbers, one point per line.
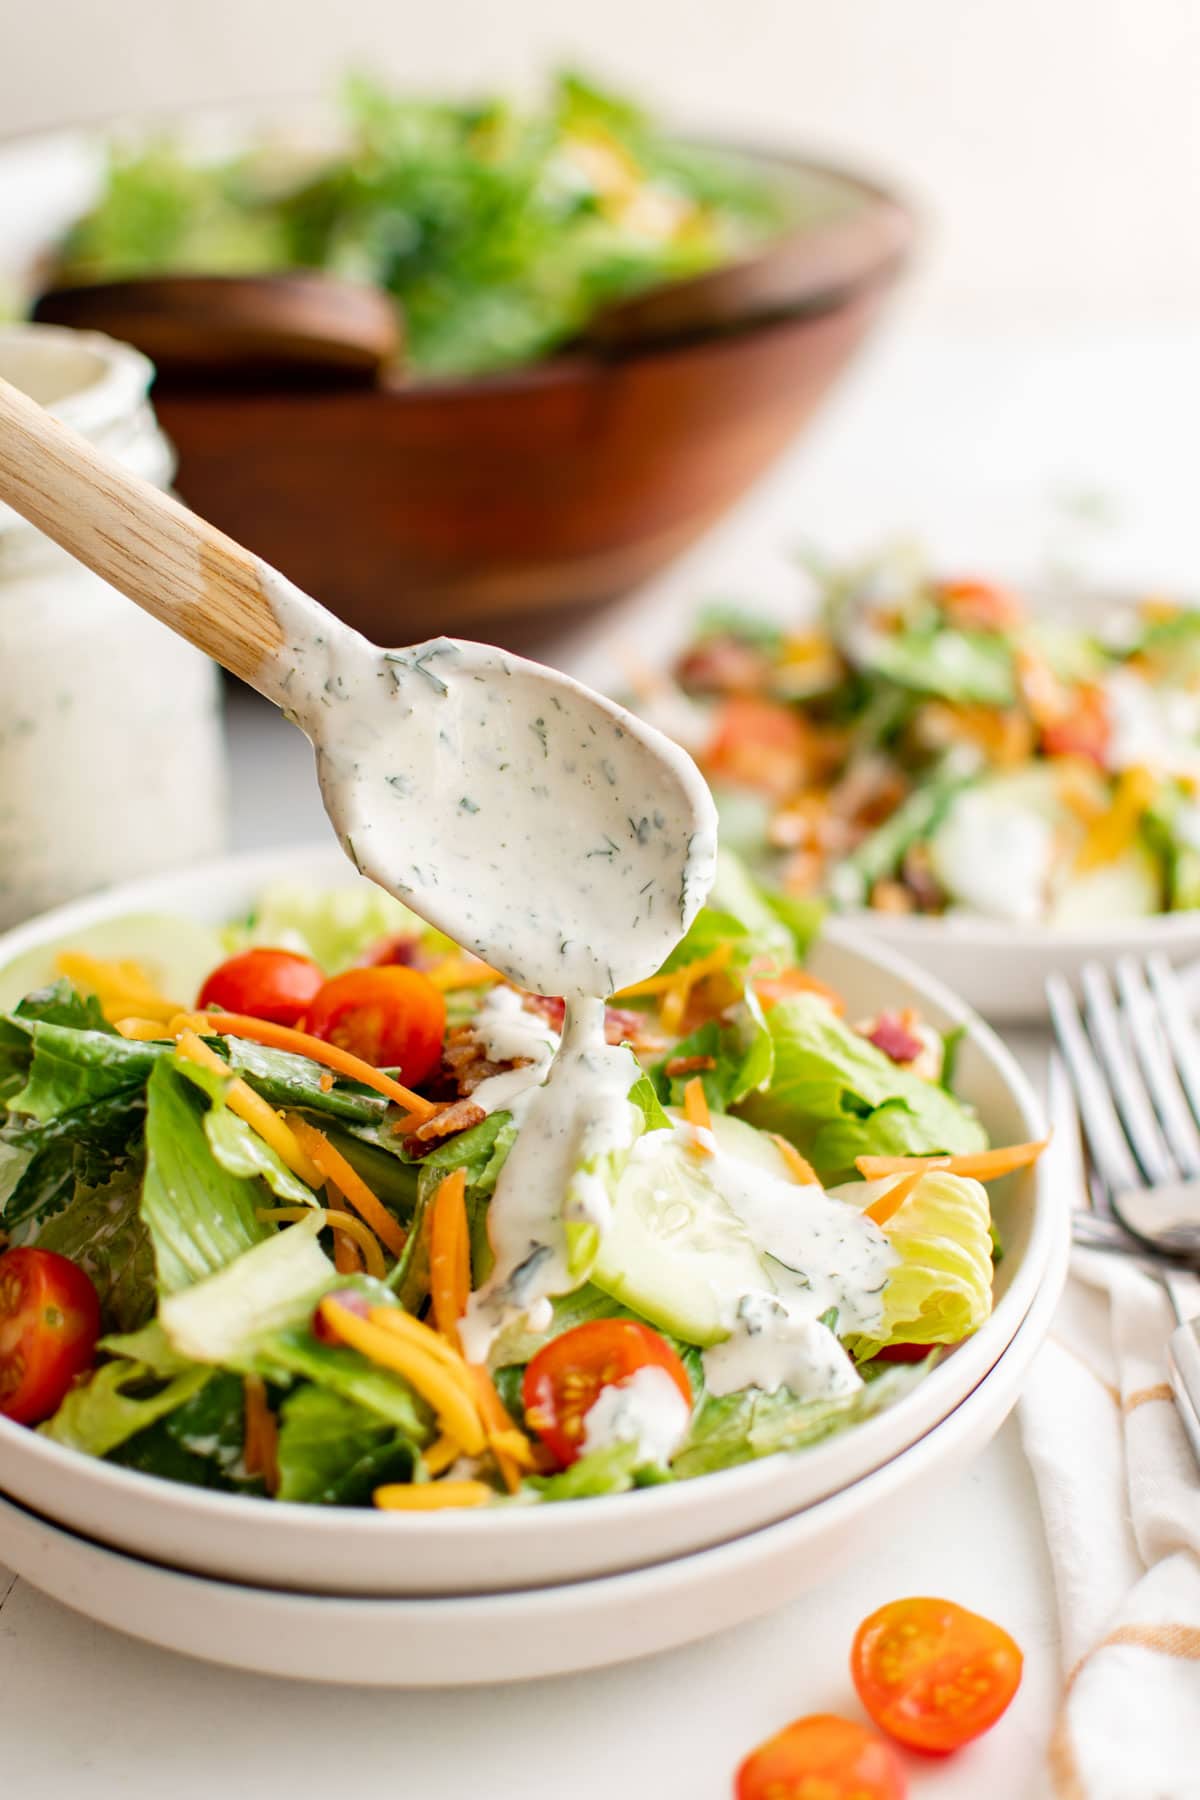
x=1162, y=1079
x=1124, y=1077
x=1177, y=1023
x=1106, y=1140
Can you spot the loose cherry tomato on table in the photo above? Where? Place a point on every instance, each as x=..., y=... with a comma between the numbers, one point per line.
x=277, y=985
x=821, y=1757
x=933, y=1674
x=564, y=1379
x=49, y=1323
x=393, y=1017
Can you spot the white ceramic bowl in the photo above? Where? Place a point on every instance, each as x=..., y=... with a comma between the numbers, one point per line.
x=534, y=1633
x=363, y=1552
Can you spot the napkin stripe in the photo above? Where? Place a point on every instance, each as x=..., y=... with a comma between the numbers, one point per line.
x=1141, y=1396
x=1182, y=1641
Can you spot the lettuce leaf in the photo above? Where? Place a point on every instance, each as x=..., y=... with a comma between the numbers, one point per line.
x=288, y=1080
x=294, y=1353
x=270, y=1286
x=333, y=1452
x=42, y=1163
x=609, y=1471
x=199, y=1216
x=738, y=1428
x=102, y=1230
x=334, y=926
x=942, y=1289
x=836, y=1097
x=201, y=1442
x=235, y=1146
x=119, y=1400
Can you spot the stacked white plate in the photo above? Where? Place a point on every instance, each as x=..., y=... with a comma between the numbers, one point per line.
x=422, y=1600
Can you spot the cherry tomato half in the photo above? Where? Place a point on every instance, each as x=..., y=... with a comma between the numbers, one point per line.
x=49, y=1323
x=933, y=1674
x=821, y=1757
x=268, y=984
x=563, y=1379
x=759, y=744
x=392, y=1017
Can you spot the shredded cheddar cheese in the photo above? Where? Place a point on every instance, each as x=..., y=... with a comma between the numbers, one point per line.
x=431, y=1496
x=1111, y=833
x=458, y=1416
x=122, y=988
x=241, y=1099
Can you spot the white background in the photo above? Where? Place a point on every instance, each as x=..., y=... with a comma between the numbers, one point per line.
x=1055, y=144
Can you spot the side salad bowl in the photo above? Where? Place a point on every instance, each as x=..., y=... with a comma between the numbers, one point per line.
x=360, y=1552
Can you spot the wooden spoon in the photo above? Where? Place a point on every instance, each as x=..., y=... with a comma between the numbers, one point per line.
x=542, y=826
x=300, y=324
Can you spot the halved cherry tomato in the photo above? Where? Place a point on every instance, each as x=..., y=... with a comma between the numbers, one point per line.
x=49, y=1323
x=277, y=985
x=393, y=1017
x=904, y=1353
x=758, y=744
x=821, y=1757
x=564, y=1378
x=1084, y=730
x=933, y=1674
x=980, y=605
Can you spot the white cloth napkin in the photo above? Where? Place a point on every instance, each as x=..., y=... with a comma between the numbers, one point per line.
x=1120, y=1496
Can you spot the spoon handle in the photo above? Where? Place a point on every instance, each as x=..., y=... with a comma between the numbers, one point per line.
x=151, y=548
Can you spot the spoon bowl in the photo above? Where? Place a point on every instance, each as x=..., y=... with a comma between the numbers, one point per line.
x=532, y=820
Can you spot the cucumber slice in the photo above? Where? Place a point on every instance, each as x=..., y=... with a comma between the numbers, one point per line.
x=675, y=1251
x=1129, y=888
x=176, y=954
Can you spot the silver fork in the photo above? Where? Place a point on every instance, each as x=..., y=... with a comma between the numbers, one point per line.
x=1132, y=1060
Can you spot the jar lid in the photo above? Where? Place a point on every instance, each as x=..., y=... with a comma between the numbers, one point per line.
x=94, y=384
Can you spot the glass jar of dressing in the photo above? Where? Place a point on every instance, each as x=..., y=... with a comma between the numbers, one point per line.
x=111, y=745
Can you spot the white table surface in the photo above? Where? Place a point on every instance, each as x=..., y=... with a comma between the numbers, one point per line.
x=997, y=451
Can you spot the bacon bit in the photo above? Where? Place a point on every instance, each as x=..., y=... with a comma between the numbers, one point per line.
x=404, y=948
x=983, y=1165
x=460, y=1115
x=775, y=988
x=261, y=1443
x=620, y=1022
x=688, y=1065
x=723, y=665
x=800, y=1167
x=891, y=1035
x=889, y=1204
x=695, y=1111
x=449, y=1255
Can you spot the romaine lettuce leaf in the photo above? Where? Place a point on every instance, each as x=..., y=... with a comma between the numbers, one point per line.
x=236, y=1147
x=120, y=1399
x=835, y=1096
x=41, y=1163
x=941, y=1290
x=332, y=925
x=102, y=1230
x=273, y=1284
x=287, y=1080
x=72, y=1068
x=609, y=1471
x=294, y=1353
x=333, y=1452
x=201, y=1442
x=200, y=1217
x=738, y=1428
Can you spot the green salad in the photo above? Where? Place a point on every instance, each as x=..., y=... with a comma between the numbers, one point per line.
x=940, y=745
x=499, y=231
x=250, y=1181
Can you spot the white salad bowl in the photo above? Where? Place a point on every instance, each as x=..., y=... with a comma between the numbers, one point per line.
x=361, y=1552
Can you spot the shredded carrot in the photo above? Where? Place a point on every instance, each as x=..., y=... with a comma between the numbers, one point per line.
x=363, y=1236
x=458, y=1415
x=449, y=1254
x=302, y=1043
x=984, y=1165
x=510, y=1447
x=695, y=1111
x=440, y=1456
x=799, y=1166
x=771, y=989
x=325, y=1081
x=347, y=1257
x=260, y=1449
x=241, y=1099
x=335, y=1168
x=889, y=1204
x=431, y=1496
